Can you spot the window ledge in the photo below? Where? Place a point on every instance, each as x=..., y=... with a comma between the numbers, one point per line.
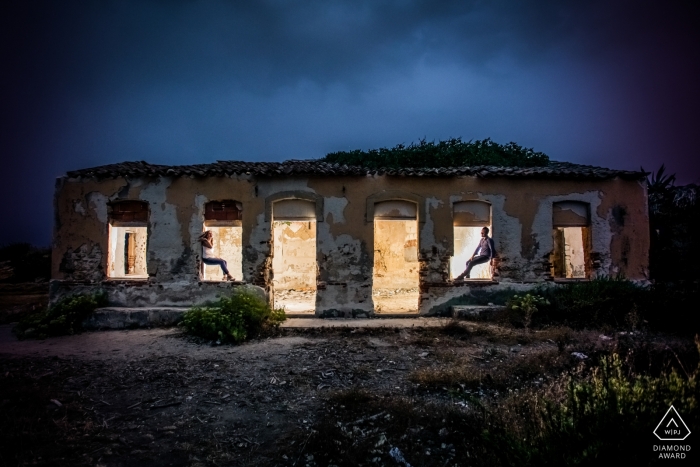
x=475, y=282
x=563, y=280
x=222, y=282
x=122, y=279
x=126, y=281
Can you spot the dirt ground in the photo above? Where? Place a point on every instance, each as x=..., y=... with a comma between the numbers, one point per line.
x=159, y=398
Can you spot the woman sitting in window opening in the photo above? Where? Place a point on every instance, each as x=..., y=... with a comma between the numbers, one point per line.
x=483, y=253
x=207, y=240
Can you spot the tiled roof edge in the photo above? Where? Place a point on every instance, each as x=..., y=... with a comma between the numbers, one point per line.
x=314, y=167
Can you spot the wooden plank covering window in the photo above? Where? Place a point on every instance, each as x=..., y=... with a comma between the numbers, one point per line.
x=471, y=214
x=226, y=210
x=129, y=211
x=571, y=214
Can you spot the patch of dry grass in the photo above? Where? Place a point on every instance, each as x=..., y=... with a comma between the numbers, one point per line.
x=513, y=371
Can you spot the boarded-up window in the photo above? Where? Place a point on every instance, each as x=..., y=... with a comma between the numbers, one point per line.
x=129, y=212
x=395, y=209
x=227, y=210
x=471, y=214
x=571, y=214
x=293, y=209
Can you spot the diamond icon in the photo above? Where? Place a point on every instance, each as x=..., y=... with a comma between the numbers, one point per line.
x=672, y=427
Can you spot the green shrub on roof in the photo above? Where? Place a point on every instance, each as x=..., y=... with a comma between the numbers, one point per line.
x=450, y=153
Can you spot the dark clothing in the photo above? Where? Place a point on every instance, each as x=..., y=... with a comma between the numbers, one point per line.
x=473, y=262
x=483, y=254
x=216, y=261
x=485, y=248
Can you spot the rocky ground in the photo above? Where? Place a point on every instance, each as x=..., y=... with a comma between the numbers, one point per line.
x=320, y=396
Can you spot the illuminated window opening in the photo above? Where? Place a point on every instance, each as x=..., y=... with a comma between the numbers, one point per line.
x=570, y=256
x=128, y=239
x=395, y=276
x=223, y=219
x=294, y=264
x=469, y=217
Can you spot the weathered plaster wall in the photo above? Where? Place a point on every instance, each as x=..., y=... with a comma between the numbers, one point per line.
x=521, y=228
x=294, y=261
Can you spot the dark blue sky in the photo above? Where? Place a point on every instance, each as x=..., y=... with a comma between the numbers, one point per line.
x=610, y=83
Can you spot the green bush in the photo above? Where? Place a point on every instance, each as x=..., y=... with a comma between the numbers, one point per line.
x=450, y=153
x=63, y=317
x=611, y=414
x=603, y=302
x=232, y=319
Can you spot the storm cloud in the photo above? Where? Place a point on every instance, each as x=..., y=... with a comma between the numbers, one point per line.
x=179, y=82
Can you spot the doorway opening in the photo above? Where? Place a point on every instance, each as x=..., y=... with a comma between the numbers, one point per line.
x=571, y=233
x=294, y=265
x=468, y=218
x=395, y=276
x=223, y=219
x=128, y=239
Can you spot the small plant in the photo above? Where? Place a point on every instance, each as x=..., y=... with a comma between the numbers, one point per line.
x=63, y=317
x=527, y=305
x=232, y=319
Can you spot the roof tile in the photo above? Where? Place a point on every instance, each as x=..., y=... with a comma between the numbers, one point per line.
x=314, y=167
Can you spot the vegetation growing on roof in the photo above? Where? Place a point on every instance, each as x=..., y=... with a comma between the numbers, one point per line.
x=450, y=153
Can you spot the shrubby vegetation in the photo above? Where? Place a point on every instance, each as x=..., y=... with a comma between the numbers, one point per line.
x=232, y=319
x=607, y=303
x=604, y=415
x=21, y=262
x=450, y=153
x=592, y=412
x=63, y=317
x=673, y=215
x=602, y=302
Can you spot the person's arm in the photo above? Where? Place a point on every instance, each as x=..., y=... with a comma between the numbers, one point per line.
x=207, y=243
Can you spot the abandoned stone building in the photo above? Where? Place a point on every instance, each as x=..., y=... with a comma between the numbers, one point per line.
x=329, y=240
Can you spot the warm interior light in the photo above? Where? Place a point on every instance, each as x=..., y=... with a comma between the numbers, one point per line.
x=395, y=274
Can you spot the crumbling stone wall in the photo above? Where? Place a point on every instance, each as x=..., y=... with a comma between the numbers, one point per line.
x=521, y=220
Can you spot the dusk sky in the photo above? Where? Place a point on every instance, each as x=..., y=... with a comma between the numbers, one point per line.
x=87, y=83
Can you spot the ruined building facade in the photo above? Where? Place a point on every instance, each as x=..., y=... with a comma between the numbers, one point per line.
x=341, y=241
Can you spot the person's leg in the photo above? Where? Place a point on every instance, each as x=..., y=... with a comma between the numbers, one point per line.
x=217, y=261
x=476, y=260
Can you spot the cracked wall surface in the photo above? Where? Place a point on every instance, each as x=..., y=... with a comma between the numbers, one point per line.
x=521, y=229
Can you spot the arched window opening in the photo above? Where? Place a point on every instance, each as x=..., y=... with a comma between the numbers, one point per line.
x=294, y=264
x=128, y=239
x=571, y=233
x=223, y=219
x=395, y=277
x=468, y=219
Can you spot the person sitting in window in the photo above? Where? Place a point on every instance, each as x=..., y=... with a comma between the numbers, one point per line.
x=207, y=240
x=483, y=253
